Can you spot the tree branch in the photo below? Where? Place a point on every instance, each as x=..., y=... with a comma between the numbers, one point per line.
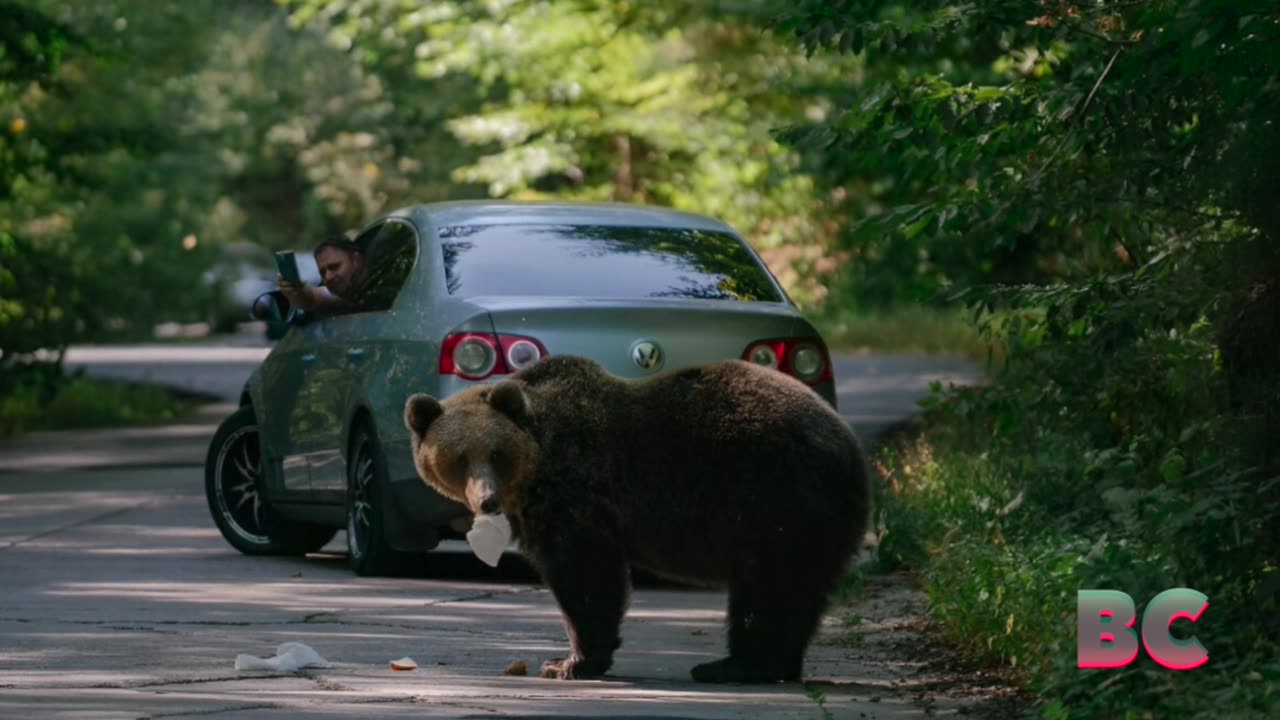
x=1080, y=29
x=1076, y=118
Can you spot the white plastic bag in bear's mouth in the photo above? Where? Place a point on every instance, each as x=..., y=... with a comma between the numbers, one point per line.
x=489, y=537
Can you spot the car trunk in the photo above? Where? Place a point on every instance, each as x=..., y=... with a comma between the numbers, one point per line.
x=687, y=332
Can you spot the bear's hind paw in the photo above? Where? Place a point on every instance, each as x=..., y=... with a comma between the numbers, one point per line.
x=733, y=670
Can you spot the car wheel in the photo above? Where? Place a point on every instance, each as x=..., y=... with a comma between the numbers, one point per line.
x=233, y=487
x=368, y=551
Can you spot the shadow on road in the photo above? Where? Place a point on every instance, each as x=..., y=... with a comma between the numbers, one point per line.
x=455, y=561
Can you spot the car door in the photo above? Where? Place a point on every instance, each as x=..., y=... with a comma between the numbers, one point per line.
x=282, y=419
x=315, y=439
x=358, y=348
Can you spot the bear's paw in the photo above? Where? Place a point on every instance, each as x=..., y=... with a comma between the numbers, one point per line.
x=574, y=667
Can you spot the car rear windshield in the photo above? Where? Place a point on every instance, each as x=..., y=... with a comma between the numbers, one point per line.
x=601, y=261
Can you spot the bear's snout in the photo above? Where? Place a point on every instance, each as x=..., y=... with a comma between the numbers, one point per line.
x=482, y=494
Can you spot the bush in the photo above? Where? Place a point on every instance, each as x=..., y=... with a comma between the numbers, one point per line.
x=1106, y=455
x=39, y=396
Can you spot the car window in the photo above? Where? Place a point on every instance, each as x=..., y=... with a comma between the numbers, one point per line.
x=602, y=261
x=389, y=254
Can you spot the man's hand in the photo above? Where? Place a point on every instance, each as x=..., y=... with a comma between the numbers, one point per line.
x=302, y=297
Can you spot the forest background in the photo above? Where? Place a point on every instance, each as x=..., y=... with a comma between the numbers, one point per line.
x=1082, y=193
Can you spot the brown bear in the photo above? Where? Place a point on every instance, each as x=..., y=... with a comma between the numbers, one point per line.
x=728, y=474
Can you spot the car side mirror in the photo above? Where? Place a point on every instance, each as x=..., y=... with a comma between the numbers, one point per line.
x=273, y=307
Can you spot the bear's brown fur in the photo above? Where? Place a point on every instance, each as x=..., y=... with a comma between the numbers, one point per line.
x=726, y=474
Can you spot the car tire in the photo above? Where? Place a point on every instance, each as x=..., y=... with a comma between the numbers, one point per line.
x=368, y=552
x=233, y=488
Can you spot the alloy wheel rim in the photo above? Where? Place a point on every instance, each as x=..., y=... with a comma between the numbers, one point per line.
x=236, y=475
x=359, y=518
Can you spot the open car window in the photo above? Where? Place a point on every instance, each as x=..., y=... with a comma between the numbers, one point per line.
x=389, y=254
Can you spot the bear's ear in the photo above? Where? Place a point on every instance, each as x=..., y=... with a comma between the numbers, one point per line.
x=420, y=410
x=509, y=399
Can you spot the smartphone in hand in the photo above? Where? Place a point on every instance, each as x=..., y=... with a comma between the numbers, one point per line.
x=288, y=266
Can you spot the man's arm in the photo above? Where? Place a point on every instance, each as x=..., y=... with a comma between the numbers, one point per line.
x=313, y=299
x=326, y=303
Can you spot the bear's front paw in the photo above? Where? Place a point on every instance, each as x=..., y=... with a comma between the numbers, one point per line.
x=552, y=669
x=574, y=667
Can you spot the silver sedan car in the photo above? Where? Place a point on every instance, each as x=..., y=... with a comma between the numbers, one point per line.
x=462, y=293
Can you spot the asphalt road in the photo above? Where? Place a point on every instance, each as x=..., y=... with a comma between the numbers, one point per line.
x=873, y=391
x=121, y=600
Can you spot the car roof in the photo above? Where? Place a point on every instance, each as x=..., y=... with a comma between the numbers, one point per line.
x=513, y=212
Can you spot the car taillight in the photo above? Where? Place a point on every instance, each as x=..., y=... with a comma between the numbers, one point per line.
x=808, y=362
x=805, y=359
x=767, y=354
x=520, y=352
x=476, y=356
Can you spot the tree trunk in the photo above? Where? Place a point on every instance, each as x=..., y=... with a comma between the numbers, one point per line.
x=624, y=184
x=1250, y=347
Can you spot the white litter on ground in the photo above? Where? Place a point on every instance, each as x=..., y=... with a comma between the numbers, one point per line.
x=290, y=656
x=404, y=663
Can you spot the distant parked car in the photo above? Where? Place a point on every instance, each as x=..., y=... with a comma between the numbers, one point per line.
x=466, y=293
x=242, y=281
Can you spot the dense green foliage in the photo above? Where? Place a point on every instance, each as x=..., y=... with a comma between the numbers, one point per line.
x=1009, y=142
x=39, y=396
x=153, y=148
x=160, y=145
x=1099, y=179
x=601, y=100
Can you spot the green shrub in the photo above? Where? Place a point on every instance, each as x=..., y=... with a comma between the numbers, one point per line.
x=39, y=397
x=1106, y=455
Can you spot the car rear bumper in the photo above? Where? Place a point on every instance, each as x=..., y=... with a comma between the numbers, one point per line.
x=417, y=515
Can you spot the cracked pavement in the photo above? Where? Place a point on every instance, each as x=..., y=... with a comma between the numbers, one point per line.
x=119, y=599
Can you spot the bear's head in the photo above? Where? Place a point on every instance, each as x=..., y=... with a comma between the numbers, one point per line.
x=473, y=446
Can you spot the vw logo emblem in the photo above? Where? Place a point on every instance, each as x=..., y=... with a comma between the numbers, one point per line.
x=646, y=355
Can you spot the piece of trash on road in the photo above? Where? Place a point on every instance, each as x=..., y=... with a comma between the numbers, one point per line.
x=517, y=667
x=404, y=663
x=290, y=656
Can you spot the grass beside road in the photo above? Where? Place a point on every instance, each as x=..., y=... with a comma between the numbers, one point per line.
x=1004, y=518
x=40, y=397
x=905, y=330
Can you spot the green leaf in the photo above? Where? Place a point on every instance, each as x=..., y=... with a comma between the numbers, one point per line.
x=1173, y=467
x=915, y=228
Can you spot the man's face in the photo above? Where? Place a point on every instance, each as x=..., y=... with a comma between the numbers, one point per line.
x=339, y=269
